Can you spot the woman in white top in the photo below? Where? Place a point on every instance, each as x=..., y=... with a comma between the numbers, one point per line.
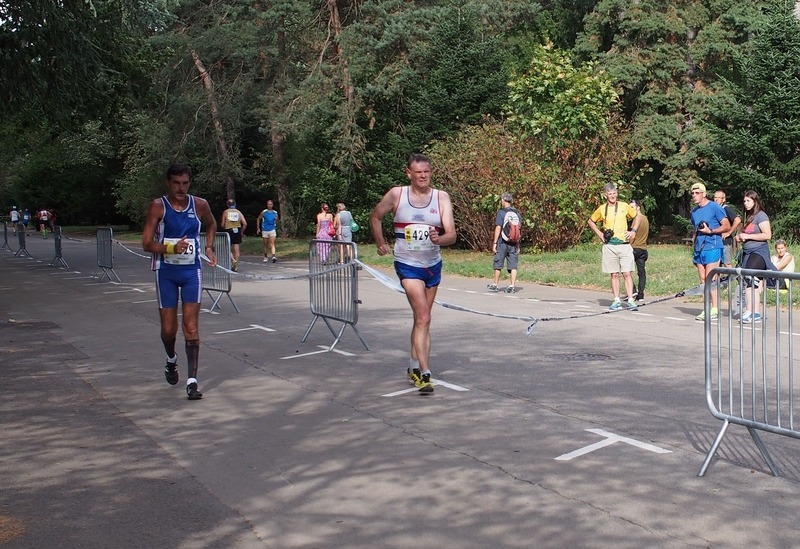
x=784, y=261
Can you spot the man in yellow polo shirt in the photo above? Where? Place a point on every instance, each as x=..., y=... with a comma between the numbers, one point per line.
x=616, y=239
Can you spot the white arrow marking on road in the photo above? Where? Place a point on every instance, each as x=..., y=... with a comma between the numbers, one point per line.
x=252, y=327
x=611, y=438
x=324, y=350
x=126, y=290
x=436, y=382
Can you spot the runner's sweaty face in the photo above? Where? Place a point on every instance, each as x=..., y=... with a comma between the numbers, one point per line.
x=178, y=186
x=419, y=173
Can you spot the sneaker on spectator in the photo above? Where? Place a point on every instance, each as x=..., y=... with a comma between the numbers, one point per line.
x=492, y=287
x=510, y=290
x=701, y=317
x=616, y=306
x=632, y=305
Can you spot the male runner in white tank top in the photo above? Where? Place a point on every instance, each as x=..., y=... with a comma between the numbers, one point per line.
x=423, y=221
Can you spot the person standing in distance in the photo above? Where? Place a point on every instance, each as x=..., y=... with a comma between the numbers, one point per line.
x=504, y=252
x=755, y=236
x=710, y=223
x=172, y=234
x=423, y=221
x=267, y=224
x=639, y=246
x=342, y=222
x=728, y=236
x=617, y=251
x=233, y=222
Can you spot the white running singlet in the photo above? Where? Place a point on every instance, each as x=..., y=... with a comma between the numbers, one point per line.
x=412, y=228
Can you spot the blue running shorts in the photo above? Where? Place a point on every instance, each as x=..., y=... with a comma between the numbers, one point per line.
x=431, y=276
x=169, y=281
x=707, y=257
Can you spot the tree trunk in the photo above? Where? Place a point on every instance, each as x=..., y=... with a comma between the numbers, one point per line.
x=222, y=146
x=351, y=142
x=274, y=93
x=335, y=26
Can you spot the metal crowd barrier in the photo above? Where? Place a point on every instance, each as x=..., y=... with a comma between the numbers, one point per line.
x=5, y=245
x=750, y=374
x=105, y=254
x=22, y=251
x=217, y=280
x=333, y=286
x=59, y=258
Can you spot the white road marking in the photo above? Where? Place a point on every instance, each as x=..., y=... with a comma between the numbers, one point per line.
x=610, y=438
x=146, y=301
x=126, y=290
x=436, y=383
x=251, y=327
x=324, y=350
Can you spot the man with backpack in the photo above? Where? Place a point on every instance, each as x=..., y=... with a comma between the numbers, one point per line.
x=507, y=235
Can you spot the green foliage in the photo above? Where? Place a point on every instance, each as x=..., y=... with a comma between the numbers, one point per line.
x=70, y=61
x=665, y=58
x=559, y=100
x=554, y=190
x=757, y=132
x=69, y=171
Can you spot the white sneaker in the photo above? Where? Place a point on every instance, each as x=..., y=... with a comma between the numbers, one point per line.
x=265, y=259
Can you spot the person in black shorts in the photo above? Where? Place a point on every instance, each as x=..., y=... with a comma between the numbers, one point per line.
x=234, y=223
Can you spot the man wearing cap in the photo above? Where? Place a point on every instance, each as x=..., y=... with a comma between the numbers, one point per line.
x=14, y=218
x=710, y=222
x=616, y=239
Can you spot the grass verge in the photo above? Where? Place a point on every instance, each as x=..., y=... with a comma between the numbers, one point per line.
x=669, y=267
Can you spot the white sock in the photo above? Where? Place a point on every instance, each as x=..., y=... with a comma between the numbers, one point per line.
x=173, y=359
x=413, y=364
x=191, y=380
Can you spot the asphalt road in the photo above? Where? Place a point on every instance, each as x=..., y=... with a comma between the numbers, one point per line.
x=587, y=433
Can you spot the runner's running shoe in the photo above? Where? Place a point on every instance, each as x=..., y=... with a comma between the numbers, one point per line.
x=171, y=373
x=414, y=376
x=425, y=384
x=192, y=393
x=492, y=287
